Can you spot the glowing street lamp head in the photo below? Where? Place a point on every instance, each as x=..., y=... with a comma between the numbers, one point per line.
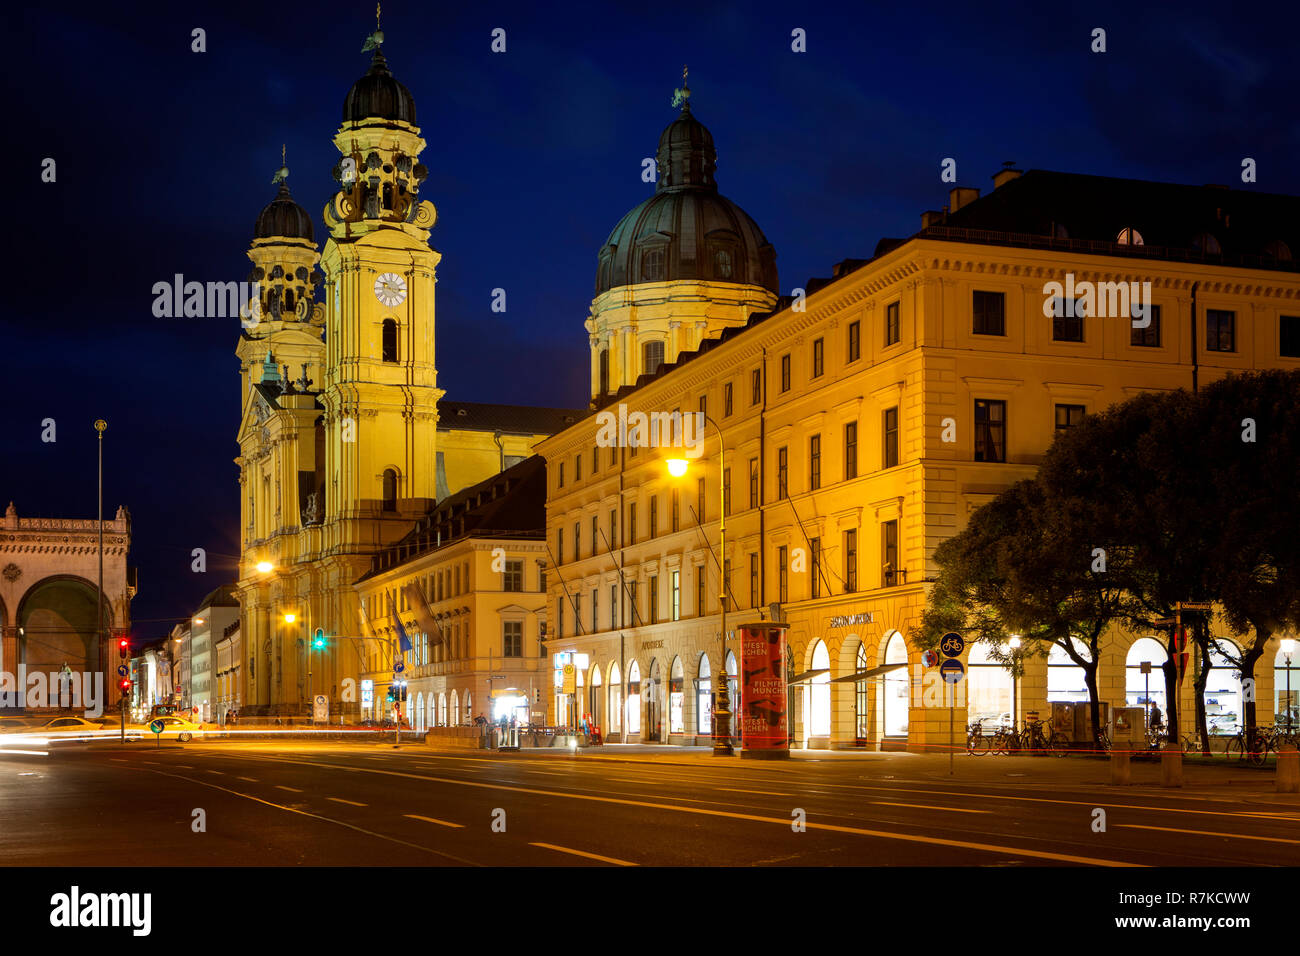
x=1288, y=646
x=198, y=620
x=1014, y=642
x=290, y=618
x=677, y=467
x=264, y=566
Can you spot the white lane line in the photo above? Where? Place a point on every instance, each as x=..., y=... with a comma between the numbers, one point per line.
x=922, y=806
x=118, y=759
x=590, y=856
x=219, y=773
x=290, y=789
x=441, y=823
x=351, y=803
x=765, y=793
x=1230, y=836
x=249, y=779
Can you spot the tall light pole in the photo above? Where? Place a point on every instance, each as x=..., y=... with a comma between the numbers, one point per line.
x=677, y=467
x=1288, y=647
x=1012, y=647
x=100, y=427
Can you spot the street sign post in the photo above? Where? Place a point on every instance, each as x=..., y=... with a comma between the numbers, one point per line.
x=952, y=644
x=122, y=670
x=930, y=658
x=952, y=672
x=156, y=727
x=320, y=709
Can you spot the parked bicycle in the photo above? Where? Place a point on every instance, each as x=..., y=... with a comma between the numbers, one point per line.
x=1040, y=737
x=977, y=742
x=1254, y=750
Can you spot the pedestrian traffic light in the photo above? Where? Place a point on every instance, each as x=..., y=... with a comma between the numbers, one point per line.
x=318, y=641
x=123, y=646
x=125, y=686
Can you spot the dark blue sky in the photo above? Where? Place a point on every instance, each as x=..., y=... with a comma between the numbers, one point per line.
x=165, y=158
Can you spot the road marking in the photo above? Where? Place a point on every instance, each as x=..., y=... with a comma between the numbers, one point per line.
x=351, y=803
x=1230, y=836
x=765, y=793
x=249, y=779
x=290, y=789
x=549, y=773
x=118, y=759
x=922, y=806
x=317, y=816
x=590, y=856
x=185, y=765
x=444, y=823
x=781, y=821
x=220, y=773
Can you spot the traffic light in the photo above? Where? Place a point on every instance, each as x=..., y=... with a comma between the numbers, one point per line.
x=124, y=685
x=123, y=646
x=319, y=640
x=402, y=690
x=391, y=696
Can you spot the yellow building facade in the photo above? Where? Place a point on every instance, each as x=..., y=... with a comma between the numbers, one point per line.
x=863, y=422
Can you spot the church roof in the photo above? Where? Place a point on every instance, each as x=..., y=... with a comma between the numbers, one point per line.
x=516, y=419
x=224, y=596
x=283, y=217
x=378, y=95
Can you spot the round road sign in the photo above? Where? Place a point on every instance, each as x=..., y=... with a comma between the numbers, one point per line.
x=399, y=667
x=156, y=726
x=930, y=658
x=952, y=644
x=952, y=671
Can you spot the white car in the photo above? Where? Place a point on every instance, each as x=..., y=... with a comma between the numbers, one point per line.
x=69, y=728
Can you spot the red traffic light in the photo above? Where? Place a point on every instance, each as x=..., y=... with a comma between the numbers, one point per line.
x=124, y=684
x=123, y=645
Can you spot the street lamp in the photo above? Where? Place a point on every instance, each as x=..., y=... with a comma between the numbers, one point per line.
x=677, y=468
x=1288, y=648
x=265, y=567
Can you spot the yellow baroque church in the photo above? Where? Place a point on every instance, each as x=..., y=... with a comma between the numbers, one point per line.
x=345, y=441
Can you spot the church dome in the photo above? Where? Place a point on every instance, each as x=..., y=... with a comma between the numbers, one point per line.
x=379, y=95
x=687, y=229
x=283, y=217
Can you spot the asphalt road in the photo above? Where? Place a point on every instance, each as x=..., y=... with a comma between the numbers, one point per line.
x=295, y=803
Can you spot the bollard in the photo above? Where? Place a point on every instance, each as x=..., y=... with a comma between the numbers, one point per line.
x=1121, y=768
x=1171, y=766
x=1288, y=769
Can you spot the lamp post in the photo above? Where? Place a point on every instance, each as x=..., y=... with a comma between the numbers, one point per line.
x=197, y=621
x=100, y=427
x=289, y=618
x=1012, y=647
x=1288, y=647
x=677, y=467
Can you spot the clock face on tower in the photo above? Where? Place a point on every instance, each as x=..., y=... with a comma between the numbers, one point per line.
x=390, y=289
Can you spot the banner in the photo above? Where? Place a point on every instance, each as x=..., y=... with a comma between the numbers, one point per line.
x=423, y=615
x=763, y=690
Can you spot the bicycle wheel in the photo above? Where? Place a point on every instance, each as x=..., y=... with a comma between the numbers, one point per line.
x=1258, y=751
x=1058, y=745
x=1235, y=747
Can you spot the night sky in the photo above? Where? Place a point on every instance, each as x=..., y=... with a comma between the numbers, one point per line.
x=165, y=157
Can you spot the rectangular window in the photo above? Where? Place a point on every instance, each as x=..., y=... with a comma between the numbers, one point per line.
x=753, y=580
x=989, y=311
x=613, y=455
x=561, y=474
x=1067, y=327
x=577, y=612
x=613, y=606
x=855, y=341
x=704, y=405
x=815, y=565
x=726, y=399
x=675, y=594
x=559, y=617
x=631, y=523
x=595, y=536
x=541, y=640
x=753, y=482
x=756, y=386
x=990, y=430
x=577, y=468
x=889, y=553
x=701, y=582
x=613, y=528
x=456, y=577
x=559, y=544
x=782, y=472
x=850, y=450
x=726, y=491
x=654, y=516
x=851, y=560
x=699, y=500
x=633, y=607
x=595, y=624
x=1068, y=416
x=541, y=577
x=1288, y=334
x=1220, y=330
x=891, y=323
x=595, y=459
x=785, y=373
x=577, y=534
x=512, y=639
x=814, y=462
x=675, y=518
x=782, y=575
x=654, y=599
x=1150, y=336
x=514, y=576
x=819, y=357
x=889, y=433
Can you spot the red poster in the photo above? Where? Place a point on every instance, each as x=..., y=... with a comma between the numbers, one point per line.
x=763, y=690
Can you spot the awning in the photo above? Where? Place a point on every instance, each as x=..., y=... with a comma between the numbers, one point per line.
x=871, y=672
x=807, y=676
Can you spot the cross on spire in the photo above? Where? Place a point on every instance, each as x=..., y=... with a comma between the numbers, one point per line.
x=682, y=97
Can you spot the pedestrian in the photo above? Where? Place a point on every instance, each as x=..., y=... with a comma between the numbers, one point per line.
x=1157, y=719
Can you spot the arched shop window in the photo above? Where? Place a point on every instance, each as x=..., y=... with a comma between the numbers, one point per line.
x=1146, y=690
x=634, y=698
x=817, y=696
x=988, y=689
x=894, y=700
x=677, y=698
x=1065, y=677
x=1286, y=687
x=455, y=710
x=615, y=699
x=597, y=696
x=1223, y=714
x=418, y=722
x=861, y=716
x=704, y=697
x=733, y=692
x=429, y=715
x=442, y=710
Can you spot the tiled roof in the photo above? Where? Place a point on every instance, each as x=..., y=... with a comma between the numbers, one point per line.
x=516, y=419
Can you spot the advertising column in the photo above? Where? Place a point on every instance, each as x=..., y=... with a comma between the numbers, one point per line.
x=762, y=691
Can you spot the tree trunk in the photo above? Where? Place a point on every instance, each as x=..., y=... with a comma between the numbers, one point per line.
x=1202, y=638
x=1094, y=702
x=1171, y=688
x=1249, y=657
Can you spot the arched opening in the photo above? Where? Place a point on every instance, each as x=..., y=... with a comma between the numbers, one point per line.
x=677, y=698
x=654, y=714
x=733, y=692
x=704, y=698
x=389, y=490
x=861, y=698
x=56, y=622
x=615, y=699
x=1128, y=236
x=1146, y=690
x=652, y=357
x=817, y=698
x=596, y=694
x=419, y=722
x=390, y=340
x=603, y=364
x=895, y=684
x=1223, y=713
x=442, y=710
x=1065, y=679
x=988, y=690
x=457, y=718
x=1286, y=685
x=634, y=698
x=1207, y=244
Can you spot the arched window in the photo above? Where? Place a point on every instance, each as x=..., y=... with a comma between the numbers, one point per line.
x=390, y=490
x=861, y=716
x=615, y=699
x=1065, y=677
x=1286, y=685
x=390, y=340
x=634, y=698
x=722, y=264
x=733, y=691
x=442, y=710
x=677, y=698
x=704, y=698
x=988, y=687
x=817, y=699
x=652, y=357
x=652, y=265
x=388, y=195
x=1278, y=251
x=895, y=701
x=1207, y=244
x=1128, y=236
x=597, y=695
x=1223, y=713
x=603, y=362
x=418, y=714
x=1145, y=690
x=455, y=710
